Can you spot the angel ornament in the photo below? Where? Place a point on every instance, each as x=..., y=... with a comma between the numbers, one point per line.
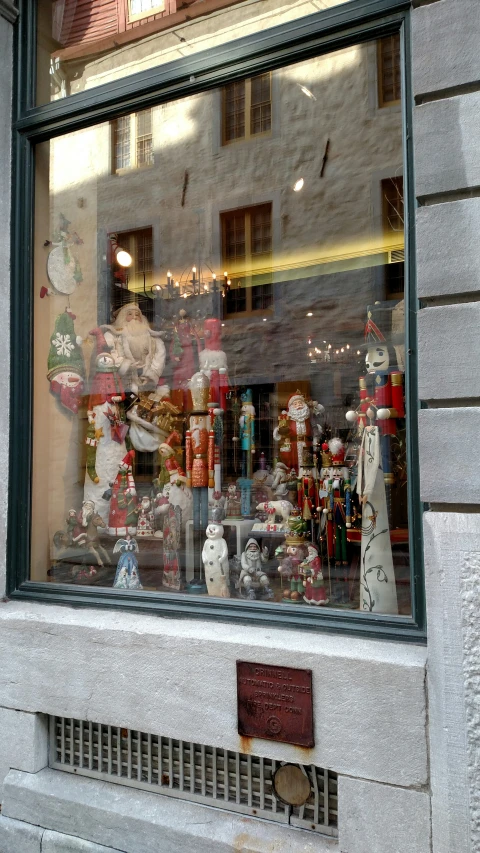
x=378, y=592
x=127, y=576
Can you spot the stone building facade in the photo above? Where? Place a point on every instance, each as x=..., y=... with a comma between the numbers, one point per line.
x=397, y=722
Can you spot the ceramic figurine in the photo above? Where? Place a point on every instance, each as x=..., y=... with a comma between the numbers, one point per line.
x=289, y=568
x=105, y=407
x=66, y=368
x=215, y=561
x=279, y=509
x=139, y=351
x=280, y=480
x=199, y=458
x=91, y=440
x=232, y=504
x=295, y=448
x=378, y=592
x=123, y=504
x=81, y=540
x=127, y=576
x=253, y=581
x=313, y=583
x=145, y=520
x=168, y=450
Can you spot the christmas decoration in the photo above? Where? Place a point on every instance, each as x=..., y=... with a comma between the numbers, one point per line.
x=66, y=369
x=127, y=576
x=123, y=504
x=215, y=561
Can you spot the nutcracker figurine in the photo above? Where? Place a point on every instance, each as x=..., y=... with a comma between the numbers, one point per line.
x=200, y=458
x=247, y=444
x=381, y=391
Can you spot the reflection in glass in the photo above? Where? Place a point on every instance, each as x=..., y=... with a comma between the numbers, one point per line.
x=226, y=415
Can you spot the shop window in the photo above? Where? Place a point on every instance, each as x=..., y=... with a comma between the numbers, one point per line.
x=388, y=70
x=247, y=108
x=204, y=403
x=247, y=253
x=133, y=141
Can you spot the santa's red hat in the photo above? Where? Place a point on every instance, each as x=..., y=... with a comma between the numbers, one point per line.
x=128, y=459
x=296, y=396
x=173, y=441
x=100, y=341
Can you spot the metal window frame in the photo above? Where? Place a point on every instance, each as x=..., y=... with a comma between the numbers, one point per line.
x=323, y=32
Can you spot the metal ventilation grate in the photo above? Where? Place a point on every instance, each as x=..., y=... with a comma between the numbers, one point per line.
x=189, y=771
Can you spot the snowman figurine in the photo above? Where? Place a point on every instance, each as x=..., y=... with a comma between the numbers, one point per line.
x=215, y=561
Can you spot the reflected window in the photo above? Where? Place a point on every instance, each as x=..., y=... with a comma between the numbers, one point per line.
x=393, y=229
x=138, y=9
x=247, y=253
x=247, y=108
x=133, y=141
x=138, y=276
x=389, y=75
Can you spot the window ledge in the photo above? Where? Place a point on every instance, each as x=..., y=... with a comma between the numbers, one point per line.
x=147, y=672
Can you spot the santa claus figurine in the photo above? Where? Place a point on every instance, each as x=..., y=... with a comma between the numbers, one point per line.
x=313, y=582
x=168, y=451
x=123, y=504
x=295, y=448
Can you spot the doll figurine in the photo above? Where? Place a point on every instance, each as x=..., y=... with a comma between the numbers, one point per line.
x=289, y=567
x=232, y=504
x=313, y=582
x=215, y=561
x=294, y=432
x=123, y=504
x=127, y=576
x=145, y=521
x=253, y=581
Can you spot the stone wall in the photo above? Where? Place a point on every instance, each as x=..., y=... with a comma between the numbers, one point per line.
x=446, y=131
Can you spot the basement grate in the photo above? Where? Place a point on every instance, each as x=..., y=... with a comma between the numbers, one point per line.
x=190, y=771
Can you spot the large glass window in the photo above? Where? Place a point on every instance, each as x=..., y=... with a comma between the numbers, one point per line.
x=219, y=352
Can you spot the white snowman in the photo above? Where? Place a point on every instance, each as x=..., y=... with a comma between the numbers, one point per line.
x=215, y=561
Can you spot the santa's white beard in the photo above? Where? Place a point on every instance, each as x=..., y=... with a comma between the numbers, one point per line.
x=86, y=516
x=299, y=415
x=138, y=337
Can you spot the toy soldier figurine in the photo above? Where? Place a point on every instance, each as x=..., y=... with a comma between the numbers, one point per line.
x=200, y=451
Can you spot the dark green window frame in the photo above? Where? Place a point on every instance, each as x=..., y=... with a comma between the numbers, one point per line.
x=352, y=22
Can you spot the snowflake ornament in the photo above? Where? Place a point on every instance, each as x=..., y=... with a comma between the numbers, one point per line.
x=63, y=344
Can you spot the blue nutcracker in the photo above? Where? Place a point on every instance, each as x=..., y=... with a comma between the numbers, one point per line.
x=247, y=445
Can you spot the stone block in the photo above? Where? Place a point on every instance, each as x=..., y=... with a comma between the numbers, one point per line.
x=376, y=818
x=58, y=842
x=446, y=136
x=449, y=463
x=453, y=26
x=19, y=837
x=452, y=566
x=447, y=255
x=448, y=352
x=170, y=666
x=141, y=822
x=24, y=742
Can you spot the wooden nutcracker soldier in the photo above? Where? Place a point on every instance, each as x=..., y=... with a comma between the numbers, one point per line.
x=199, y=461
x=381, y=390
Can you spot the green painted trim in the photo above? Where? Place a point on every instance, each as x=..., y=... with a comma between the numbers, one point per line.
x=358, y=20
x=236, y=610
x=415, y=513
x=288, y=43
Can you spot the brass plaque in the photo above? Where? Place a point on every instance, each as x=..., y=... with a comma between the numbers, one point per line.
x=275, y=702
